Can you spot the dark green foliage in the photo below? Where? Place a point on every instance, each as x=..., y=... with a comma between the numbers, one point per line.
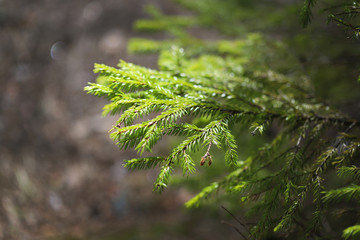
x=211, y=93
x=342, y=194
x=352, y=172
x=344, y=13
x=306, y=12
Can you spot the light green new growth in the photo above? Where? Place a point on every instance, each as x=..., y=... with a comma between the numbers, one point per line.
x=352, y=232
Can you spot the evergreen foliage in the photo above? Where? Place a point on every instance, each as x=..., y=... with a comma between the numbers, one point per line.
x=344, y=13
x=205, y=92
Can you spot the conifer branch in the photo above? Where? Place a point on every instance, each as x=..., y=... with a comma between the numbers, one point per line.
x=143, y=163
x=352, y=232
x=225, y=87
x=342, y=194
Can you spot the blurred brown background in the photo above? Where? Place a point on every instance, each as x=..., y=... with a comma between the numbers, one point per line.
x=61, y=177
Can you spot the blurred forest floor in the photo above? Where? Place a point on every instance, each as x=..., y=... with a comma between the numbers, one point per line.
x=60, y=175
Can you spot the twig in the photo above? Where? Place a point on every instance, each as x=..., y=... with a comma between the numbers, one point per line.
x=235, y=228
x=238, y=220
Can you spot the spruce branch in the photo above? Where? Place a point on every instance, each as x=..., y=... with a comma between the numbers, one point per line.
x=187, y=165
x=163, y=179
x=350, y=193
x=230, y=86
x=352, y=232
x=144, y=163
x=306, y=12
x=350, y=172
